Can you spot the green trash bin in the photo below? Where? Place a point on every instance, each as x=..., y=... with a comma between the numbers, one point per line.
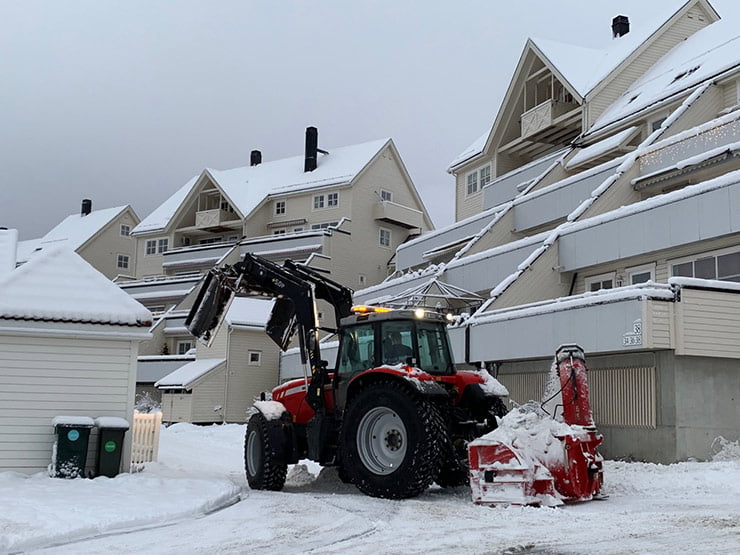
x=70, y=448
x=111, y=431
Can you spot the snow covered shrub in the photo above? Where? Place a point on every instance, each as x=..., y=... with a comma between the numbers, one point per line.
x=145, y=404
x=725, y=450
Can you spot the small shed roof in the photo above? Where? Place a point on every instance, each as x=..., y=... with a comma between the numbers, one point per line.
x=185, y=376
x=59, y=286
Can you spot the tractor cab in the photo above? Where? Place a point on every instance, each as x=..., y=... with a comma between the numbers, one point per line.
x=375, y=337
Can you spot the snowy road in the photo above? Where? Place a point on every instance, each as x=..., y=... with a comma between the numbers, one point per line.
x=651, y=509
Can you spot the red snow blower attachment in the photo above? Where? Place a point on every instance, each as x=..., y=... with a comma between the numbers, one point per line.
x=533, y=458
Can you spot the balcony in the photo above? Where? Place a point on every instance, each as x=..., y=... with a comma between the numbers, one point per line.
x=543, y=117
x=195, y=259
x=391, y=212
x=626, y=319
x=216, y=220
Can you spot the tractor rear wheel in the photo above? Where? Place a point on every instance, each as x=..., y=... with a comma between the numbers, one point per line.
x=265, y=462
x=390, y=441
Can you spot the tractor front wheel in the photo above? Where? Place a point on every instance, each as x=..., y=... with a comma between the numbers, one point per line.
x=264, y=458
x=390, y=441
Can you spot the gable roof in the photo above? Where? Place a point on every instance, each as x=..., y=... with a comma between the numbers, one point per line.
x=248, y=186
x=60, y=286
x=583, y=69
x=72, y=232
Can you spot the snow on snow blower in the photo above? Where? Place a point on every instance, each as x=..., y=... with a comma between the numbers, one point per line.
x=533, y=458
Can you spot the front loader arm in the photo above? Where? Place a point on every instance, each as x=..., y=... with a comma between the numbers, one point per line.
x=295, y=289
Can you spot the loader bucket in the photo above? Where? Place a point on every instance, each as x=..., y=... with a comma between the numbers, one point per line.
x=209, y=308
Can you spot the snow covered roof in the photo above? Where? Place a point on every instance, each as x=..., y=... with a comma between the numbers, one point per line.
x=249, y=311
x=185, y=376
x=247, y=187
x=59, y=286
x=72, y=232
x=705, y=54
x=586, y=68
x=162, y=215
x=8, y=243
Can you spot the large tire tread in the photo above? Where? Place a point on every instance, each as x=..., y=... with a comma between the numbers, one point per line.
x=271, y=473
x=426, y=433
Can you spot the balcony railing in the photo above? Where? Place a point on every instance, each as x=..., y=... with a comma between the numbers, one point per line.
x=398, y=214
x=543, y=116
x=214, y=219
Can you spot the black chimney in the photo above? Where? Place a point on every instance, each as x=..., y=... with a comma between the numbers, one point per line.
x=86, y=206
x=312, y=148
x=620, y=26
x=255, y=158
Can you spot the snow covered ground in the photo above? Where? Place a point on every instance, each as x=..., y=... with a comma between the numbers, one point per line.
x=196, y=500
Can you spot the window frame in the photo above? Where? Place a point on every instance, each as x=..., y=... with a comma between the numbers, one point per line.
x=127, y=232
x=386, y=195
x=280, y=207
x=332, y=199
x=258, y=361
x=488, y=178
x=636, y=270
x=381, y=231
x=180, y=343
x=471, y=181
x=121, y=257
x=599, y=278
x=319, y=202
x=163, y=245
x=716, y=254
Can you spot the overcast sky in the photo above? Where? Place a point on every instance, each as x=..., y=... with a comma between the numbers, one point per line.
x=122, y=102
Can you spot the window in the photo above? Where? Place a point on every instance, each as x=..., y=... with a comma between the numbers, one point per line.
x=279, y=207
x=151, y=246
x=722, y=265
x=125, y=230
x=356, y=350
x=361, y=279
x=255, y=358
x=473, y=182
x=154, y=246
x=385, y=237
x=210, y=241
x=602, y=281
x=324, y=225
x=485, y=176
x=641, y=274
x=656, y=123
x=162, y=245
x=386, y=195
x=297, y=229
x=122, y=261
x=318, y=202
x=279, y=232
x=332, y=200
x=183, y=347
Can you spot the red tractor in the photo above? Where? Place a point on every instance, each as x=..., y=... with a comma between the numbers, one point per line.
x=393, y=416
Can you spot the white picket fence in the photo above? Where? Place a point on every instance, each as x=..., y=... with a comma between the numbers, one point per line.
x=145, y=439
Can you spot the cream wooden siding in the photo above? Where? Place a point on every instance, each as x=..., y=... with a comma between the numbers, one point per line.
x=657, y=324
x=103, y=249
x=624, y=397
x=209, y=397
x=245, y=382
x=466, y=206
x=219, y=348
x=708, y=324
x=177, y=407
x=607, y=93
x=44, y=377
x=500, y=234
x=149, y=264
x=704, y=109
x=537, y=283
x=730, y=93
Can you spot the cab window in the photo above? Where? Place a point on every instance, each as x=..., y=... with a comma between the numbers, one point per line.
x=434, y=351
x=357, y=351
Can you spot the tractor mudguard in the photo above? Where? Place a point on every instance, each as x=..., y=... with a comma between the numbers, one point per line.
x=478, y=401
x=280, y=431
x=419, y=380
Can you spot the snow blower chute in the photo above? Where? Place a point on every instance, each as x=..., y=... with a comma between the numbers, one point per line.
x=534, y=458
